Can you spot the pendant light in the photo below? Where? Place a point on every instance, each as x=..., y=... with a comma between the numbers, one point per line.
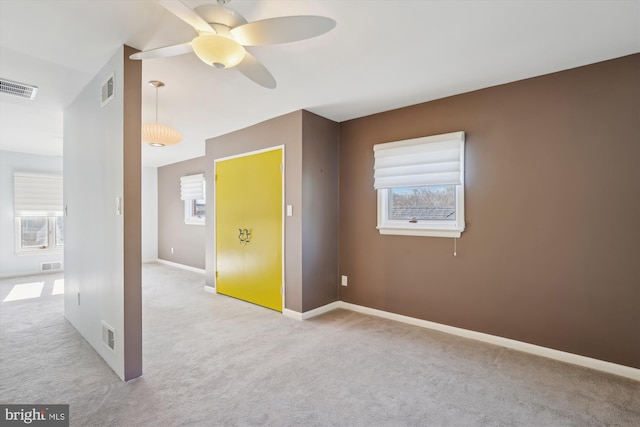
x=155, y=134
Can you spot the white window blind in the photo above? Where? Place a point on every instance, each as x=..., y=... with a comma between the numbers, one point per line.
x=37, y=194
x=431, y=160
x=192, y=187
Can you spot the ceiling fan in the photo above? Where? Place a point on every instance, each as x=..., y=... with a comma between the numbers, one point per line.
x=223, y=34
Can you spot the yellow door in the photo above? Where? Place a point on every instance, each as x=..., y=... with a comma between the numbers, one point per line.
x=249, y=228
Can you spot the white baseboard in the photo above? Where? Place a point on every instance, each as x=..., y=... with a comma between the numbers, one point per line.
x=182, y=266
x=563, y=356
x=210, y=289
x=292, y=314
x=311, y=313
x=29, y=273
x=321, y=310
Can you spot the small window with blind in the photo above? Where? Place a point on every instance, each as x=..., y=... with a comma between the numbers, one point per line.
x=420, y=185
x=192, y=192
x=38, y=213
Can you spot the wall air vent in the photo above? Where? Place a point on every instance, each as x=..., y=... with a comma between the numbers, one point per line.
x=50, y=266
x=107, y=91
x=109, y=337
x=18, y=89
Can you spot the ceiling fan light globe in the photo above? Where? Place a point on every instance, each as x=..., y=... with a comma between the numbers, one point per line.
x=157, y=135
x=217, y=50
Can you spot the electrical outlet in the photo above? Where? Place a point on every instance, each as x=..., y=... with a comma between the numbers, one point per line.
x=343, y=281
x=171, y=250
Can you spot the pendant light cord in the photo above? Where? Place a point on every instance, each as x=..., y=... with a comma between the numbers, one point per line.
x=156, y=105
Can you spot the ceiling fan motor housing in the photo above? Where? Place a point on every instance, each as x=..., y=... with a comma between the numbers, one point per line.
x=215, y=14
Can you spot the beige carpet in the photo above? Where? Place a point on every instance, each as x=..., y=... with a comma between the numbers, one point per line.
x=210, y=360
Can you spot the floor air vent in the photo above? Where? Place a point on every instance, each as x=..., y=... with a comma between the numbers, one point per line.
x=109, y=337
x=18, y=89
x=46, y=267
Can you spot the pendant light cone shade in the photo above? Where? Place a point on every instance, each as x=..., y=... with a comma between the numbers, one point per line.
x=155, y=134
x=217, y=50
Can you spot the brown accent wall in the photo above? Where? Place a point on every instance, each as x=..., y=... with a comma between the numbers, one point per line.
x=320, y=215
x=551, y=251
x=187, y=240
x=284, y=130
x=132, y=159
x=310, y=239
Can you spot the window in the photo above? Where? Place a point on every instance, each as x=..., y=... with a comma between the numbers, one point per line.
x=194, y=212
x=59, y=231
x=38, y=213
x=431, y=202
x=192, y=192
x=40, y=233
x=420, y=185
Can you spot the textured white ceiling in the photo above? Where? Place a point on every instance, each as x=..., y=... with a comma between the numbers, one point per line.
x=382, y=55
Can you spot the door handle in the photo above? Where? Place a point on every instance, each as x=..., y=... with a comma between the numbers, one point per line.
x=244, y=235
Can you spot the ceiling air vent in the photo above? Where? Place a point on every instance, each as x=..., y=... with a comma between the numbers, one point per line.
x=18, y=89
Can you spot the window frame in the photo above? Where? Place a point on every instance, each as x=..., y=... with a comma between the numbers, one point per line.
x=425, y=228
x=52, y=246
x=189, y=217
x=394, y=170
x=193, y=191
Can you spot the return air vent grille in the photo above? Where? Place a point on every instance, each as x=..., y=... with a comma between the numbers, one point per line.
x=107, y=91
x=18, y=89
x=50, y=266
x=109, y=337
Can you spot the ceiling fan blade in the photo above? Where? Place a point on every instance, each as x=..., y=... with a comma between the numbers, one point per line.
x=254, y=70
x=164, y=52
x=187, y=14
x=282, y=30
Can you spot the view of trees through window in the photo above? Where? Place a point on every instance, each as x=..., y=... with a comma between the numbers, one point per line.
x=41, y=232
x=35, y=232
x=437, y=202
x=59, y=231
x=198, y=208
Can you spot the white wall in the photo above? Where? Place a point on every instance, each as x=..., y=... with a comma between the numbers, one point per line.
x=10, y=162
x=149, y=214
x=94, y=171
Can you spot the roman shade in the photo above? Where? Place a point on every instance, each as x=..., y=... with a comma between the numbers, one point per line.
x=431, y=160
x=192, y=187
x=37, y=194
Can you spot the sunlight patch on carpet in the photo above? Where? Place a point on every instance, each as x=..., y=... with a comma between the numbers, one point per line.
x=24, y=291
x=58, y=287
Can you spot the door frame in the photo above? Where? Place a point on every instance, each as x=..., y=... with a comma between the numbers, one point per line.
x=282, y=212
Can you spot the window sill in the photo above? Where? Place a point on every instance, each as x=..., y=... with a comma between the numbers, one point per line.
x=194, y=222
x=40, y=252
x=420, y=232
